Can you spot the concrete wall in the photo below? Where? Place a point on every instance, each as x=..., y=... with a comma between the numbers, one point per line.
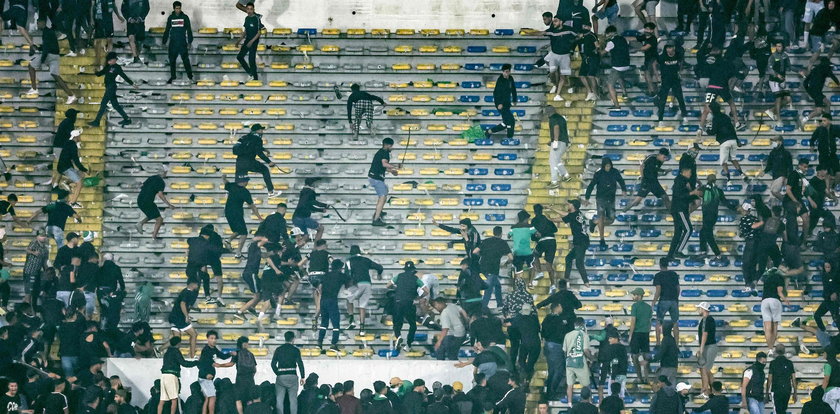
x=368, y=14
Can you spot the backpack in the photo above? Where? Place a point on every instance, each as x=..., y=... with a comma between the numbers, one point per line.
x=710, y=196
x=245, y=146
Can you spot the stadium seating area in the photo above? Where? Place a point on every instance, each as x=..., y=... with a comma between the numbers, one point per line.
x=437, y=85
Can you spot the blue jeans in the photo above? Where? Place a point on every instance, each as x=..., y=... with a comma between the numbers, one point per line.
x=449, y=347
x=57, y=234
x=755, y=406
x=69, y=364
x=329, y=315
x=493, y=286
x=555, y=358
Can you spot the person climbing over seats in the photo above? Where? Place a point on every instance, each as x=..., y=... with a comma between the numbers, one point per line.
x=178, y=34
x=317, y=264
x=779, y=65
x=470, y=238
x=619, y=51
x=110, y=71
x=711, y=199
x=379, y=166
x=814, y=83
x=274, y=226
x=359, y=286
x=247, y=149
x=250, y=41
x=70, y=166
x=606, y=181
x=725, y=134
x=16, y=17
x=198, y=258
x=504, y=97
x=48, y=55
x=307, y=204
x=237, y=193
x=251, y=274
x=559, y=143
x=152, y=188
x=562, y=40
x=179, y=316
x=649, y=47
x=824, y=141
x=719, y=71
x=360, y=107
x=649, y=177
x=670, y=64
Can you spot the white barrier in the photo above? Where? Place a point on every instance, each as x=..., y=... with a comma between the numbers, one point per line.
x=140, y=374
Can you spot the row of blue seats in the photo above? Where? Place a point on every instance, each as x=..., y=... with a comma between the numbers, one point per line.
x=697, y=293
x=689, y=278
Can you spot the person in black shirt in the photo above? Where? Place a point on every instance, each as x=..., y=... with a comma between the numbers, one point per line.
x=57, y=214
x=717, y=403
x=379, y=166
x=360, y=286
x=670, y=63
x=649, y=172
x=70, y=166
x=285, y=364
x=684, y=193
x=178, y=34
x=48, y=55
x=360, y=106
x=707, y=353
x=619, y=51
x=711, y=201
x=110, y=71
x=246, y=150
x=546, y=245
x=591, y=61
x=470, y=238
x=504, y=97
x=179, y=317
x=553, y=330
x=250, y=273
x=274, y=226
x=818, y=189
x=814, y=82
x=558, y=145
x=318, y=261
x=782, y=379
x=667, y=295
x=831, y=295
x=562, y=39
x=719, y=72
x=649, y=47
x=727, y=137
x=406, y=285
x=207, y=370
x=307, y=204
x=490, y=253
x=824, y=141
x=250, y=40
x=237, y=193
x=584, y=406
x=580, y=241
x=513, y=401
x=330, y=286
x=152, y=188
x=607, y=180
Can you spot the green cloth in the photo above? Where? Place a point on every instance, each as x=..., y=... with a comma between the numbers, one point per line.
x=827, y=373
x=521, y=237
x=643, y=313
x=4, y=275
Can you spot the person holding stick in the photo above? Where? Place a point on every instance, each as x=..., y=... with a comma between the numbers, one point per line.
x=380, y=165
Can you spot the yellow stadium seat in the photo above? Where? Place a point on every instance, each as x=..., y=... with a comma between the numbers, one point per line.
x=331, y=32
x=479, y=32
x=281, y=31
x=426, y=66
x=405, y=32
x=396, y=98
x=356, y=32
x=500, y=49
x=428, y=49
x=450, y=66
x=330, y=48
x=401, y=66
x=404, y=49
x=452, y=49
x=380, y=32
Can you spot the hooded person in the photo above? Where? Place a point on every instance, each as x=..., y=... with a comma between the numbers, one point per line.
x=666, y=400
x=195, y=401
x=406, y=285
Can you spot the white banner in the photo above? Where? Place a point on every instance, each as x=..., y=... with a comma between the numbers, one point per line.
x=140, y=374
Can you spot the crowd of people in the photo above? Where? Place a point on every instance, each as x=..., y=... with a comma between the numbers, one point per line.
x=77, y=299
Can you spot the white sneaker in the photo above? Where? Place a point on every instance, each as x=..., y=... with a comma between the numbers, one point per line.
x=539, y=276
x=737, y=89
x=250, y=78
x=661, y=124
x=48, y=182
x=61, y=36
x=553, y=89
x=71, y=99
x=779, y=124
x=71, y=54
x=591, y=97
x=570, y=90
x=770, y=115
x=804, y=120
x=32, y=91
x=558, y=98
x=276, y=193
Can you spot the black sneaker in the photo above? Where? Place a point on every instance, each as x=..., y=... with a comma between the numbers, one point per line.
x=125, y=122
x=679, y=255
x=603, y=245
x=94, y=124
x=169, y=82
x=796, y=322
x=592, y=225
x=335, y=348
x=253, y=312
x=398, y=343
x=351, y=326
x=378, y=223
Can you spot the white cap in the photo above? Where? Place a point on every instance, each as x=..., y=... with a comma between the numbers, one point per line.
x=296, y=231
x=703, y=305
x=683, y=386
x=75, y=133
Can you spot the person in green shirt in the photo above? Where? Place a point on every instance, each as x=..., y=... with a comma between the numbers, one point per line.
x=641, y=314
x=521, y=234
x=5, y=289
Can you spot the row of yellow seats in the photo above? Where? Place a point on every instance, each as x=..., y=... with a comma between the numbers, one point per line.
x=285, y=31
x=280, y=97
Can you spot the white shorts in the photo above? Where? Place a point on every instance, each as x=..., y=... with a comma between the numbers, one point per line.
x=360, y=295
x=728, y=151
x=776, y=87
x=771, y=310
x=174, y=328
x=170, y=387
x=811, y=10
x=207, y=387
x=51, y=61
x=561, y=63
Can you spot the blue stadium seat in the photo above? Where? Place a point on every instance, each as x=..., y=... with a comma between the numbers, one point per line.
x=654, y=202
x=688, y=323
x=592, y=293
x=510, y=142
x=503, y=32
x=503, y=171
x=614, y=157
x=477, y=171
x=490, y=112
x=483, y=142
x=526, y=49
x=619, y=113
x=689, y=128
x=469, y=98
x=625, y=233
x=476, y=49
x=652, y=218
x=694, y=263
x=470, y=84
x=641, y=127
x=522, y=85
x=643, y=99
x=709, y=157
x=663, y=142
x=643, y=113
x=650, y=233
x=497, y=202
x=500, y=187
x=506, y=157
x=717, y=293
x=473, y=202
x=617, y=128
x=307, y=31
x=691, y=293
x=694, y=278
x=523, y=67
x=642, y=277
x=494, y=217
x=476, y=187
x=617, y=277
x=474, y=66
x=627, y=218
x=595, y=262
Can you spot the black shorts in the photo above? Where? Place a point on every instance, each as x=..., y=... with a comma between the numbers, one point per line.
x=590, y=66
x=315, y=280
x=648, y=64
x=103, y=29
x=138, y=30
x=237, y=223
x=713, y=93
x=251, y=280
x=546, y=248
x=640, y=343
x=16, y=16
x=818, y=96
x=830, y=163
x=520, y=262
x=652, y=187
x=150, y=209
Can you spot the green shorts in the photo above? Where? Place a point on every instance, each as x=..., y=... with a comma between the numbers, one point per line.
x=579, y=375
